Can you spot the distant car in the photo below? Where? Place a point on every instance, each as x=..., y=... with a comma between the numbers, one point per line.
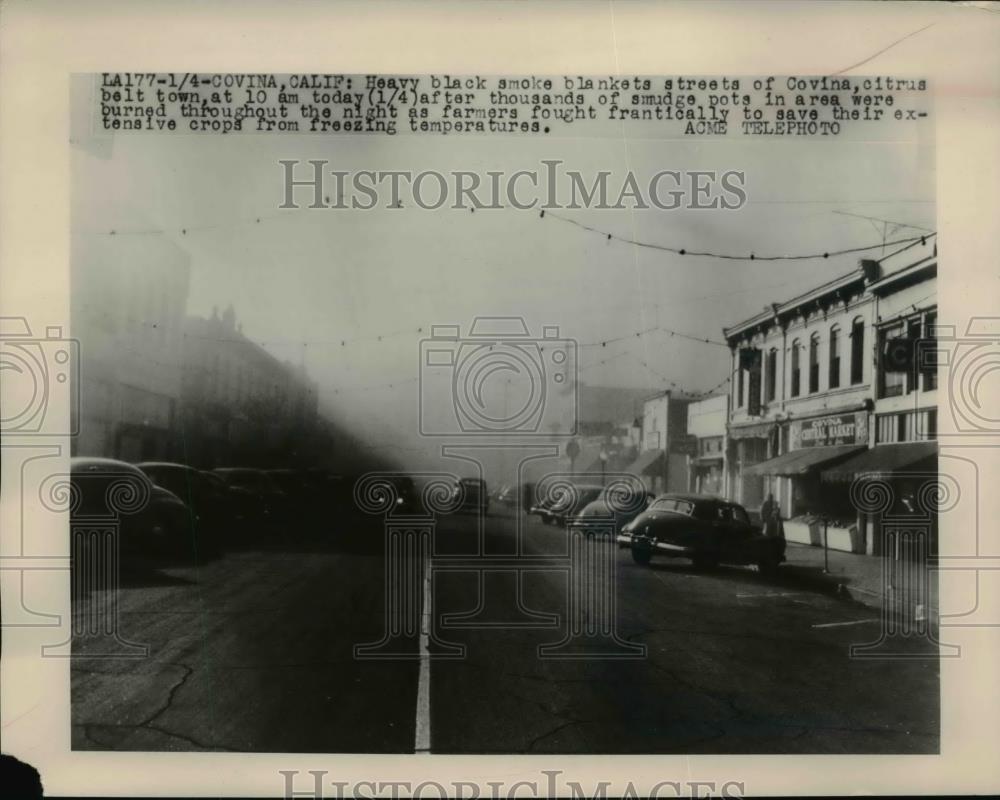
x=470, y=494
x=612, y=510
x=270, y=504
x=151, y=520
x=708, y=530
x=569, y=504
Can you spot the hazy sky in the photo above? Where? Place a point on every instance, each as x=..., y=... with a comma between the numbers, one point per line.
x=303, y=281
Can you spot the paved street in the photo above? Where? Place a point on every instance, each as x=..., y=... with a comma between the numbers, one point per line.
x=254, y=651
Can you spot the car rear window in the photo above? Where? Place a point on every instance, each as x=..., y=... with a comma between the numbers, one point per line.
x=673, y=504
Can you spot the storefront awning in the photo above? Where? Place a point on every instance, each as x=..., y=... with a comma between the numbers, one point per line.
x=760, y=430
x=884, y=460
x=648, y=463
x=799, y=462
x=707, y=461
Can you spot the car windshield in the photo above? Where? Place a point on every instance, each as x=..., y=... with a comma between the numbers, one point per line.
x=674, y=505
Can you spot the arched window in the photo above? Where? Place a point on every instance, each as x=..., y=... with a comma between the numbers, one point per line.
x=857, y=350
x=796, y=386
x=814, y=363
x=834, y=377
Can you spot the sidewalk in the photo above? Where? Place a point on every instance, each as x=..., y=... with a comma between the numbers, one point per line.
x=859, y=577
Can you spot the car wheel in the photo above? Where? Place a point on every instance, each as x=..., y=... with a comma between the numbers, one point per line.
x=640, y=555
x=767, y=565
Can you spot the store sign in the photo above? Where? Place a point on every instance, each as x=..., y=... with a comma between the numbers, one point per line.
x=826, y=431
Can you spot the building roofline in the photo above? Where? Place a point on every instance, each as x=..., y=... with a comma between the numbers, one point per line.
x=777, y=309
x=907, y=273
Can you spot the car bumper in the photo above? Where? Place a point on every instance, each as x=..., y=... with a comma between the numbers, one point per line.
x=628, y=540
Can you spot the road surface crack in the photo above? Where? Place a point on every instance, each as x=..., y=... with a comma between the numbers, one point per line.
x=188, y=672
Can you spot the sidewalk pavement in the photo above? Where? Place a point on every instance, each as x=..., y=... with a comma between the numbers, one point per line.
x=860, y=577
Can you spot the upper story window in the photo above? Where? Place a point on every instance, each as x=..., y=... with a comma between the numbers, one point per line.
x=895, y=359
x=814, y=363
x=906, y=358
x=834, y=377
x=857, y=351
x=771, y=376
x=796, y=386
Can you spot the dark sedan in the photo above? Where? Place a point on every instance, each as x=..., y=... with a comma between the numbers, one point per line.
x=150, y=519
x=612, y=510
x=571, y=501
x=208, y=501
x=705, y=529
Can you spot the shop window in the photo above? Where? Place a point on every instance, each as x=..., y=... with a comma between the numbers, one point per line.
x=771, y=382
x=834, y=377
x=814, y=363
x=796, y=371
x=857, y=351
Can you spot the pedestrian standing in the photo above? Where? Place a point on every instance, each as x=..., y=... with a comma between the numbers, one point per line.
x=766, y=513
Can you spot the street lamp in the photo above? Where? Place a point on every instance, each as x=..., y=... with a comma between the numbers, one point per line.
x=604, y=463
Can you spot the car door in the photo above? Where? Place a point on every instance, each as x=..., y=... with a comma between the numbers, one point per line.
x=744, y=538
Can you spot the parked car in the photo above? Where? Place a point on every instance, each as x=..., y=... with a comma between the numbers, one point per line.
x=546, y=501
x=569, y=504
x=236, y=502
x=303, y=490
x=270, y=504
x=151, y=520
x=470, y=494
x=705, y=529
x=209, y=503
x=612, y=510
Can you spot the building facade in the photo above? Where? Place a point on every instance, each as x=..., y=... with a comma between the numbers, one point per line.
x=127, y=310
x=820, y=379
x=707, y=421
x=662, y=462
x=241, y=405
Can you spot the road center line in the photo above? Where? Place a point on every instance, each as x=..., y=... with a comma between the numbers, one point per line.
x=839, y=624
x=422, y=729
